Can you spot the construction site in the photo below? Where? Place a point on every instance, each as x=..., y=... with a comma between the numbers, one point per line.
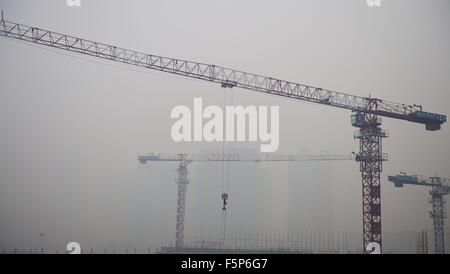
x=343, y=160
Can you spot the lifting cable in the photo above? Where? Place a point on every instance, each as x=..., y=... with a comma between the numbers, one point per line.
x=229, y=152
x=223, y=194
x=225, y=177
x=223, y=148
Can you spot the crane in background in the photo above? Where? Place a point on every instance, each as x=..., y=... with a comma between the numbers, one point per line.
x=182, y=171
x=367, y=111
x=439, y=187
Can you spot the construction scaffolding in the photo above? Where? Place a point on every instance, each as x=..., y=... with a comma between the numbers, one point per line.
x=264, y=243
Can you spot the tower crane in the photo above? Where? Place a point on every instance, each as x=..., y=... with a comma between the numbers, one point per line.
x=185, y=159
x=367, y=111
x=439, y=187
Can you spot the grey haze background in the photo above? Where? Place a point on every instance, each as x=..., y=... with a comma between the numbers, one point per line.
x=71, y=127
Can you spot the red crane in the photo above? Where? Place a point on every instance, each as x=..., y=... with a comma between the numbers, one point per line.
x=366, y=117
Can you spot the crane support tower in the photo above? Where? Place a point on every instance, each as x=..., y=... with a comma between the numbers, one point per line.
x=367, y=110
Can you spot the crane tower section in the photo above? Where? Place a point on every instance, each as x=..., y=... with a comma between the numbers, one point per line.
x=370, y=158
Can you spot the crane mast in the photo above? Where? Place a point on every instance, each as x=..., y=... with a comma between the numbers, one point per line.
x=439, y=188
x=366, y=110
x=185, y=159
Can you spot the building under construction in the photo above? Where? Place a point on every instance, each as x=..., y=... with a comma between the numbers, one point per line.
x=265, y=243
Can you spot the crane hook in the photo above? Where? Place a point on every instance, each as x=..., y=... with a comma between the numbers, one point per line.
x=224, y=198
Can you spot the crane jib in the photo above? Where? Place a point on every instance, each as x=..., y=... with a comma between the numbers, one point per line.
x=227, y=78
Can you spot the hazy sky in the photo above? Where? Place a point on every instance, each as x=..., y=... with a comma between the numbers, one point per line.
x=72, y=126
